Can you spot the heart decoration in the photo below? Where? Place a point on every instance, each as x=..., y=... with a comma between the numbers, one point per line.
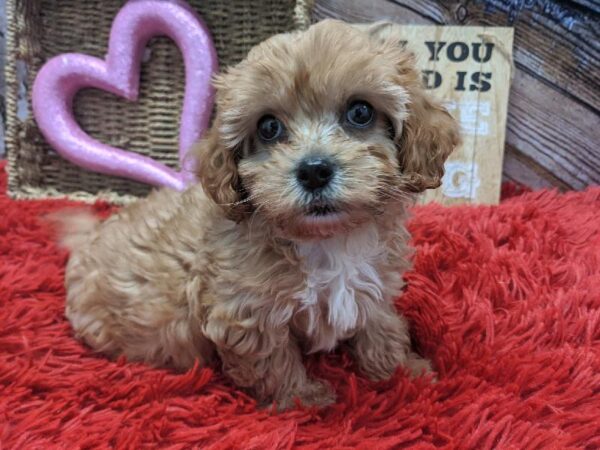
x=63, y=76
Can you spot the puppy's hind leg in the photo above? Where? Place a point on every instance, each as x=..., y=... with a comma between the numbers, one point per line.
x=116, y=312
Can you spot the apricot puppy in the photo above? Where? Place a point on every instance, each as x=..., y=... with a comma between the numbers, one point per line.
x=294, y=238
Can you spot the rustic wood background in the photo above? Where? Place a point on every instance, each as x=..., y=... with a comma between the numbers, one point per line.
x=553, y=134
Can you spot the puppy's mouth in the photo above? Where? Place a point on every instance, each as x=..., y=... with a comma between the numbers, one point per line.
x=319, y=209
x=322, y=217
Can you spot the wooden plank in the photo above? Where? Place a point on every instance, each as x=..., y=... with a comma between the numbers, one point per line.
x=592, y=5
x=558, y=137
x=559, y=134
x=519, y=168
x=355, y=11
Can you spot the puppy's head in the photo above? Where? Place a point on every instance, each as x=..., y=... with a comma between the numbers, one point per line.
x=322, y=130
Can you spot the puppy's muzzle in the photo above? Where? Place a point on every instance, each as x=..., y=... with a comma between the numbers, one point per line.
x=314, y=173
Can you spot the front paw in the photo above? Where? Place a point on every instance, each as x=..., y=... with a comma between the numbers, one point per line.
x=312, y=393
x=418, y=365
x=382, y=365
x=379, y=354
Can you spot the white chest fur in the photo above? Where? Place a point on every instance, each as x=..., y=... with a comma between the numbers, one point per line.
x=342, y=284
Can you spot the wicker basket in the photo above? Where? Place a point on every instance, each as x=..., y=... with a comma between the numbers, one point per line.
x=40, y=29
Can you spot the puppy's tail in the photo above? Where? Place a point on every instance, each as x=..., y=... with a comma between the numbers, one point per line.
x=73, y=227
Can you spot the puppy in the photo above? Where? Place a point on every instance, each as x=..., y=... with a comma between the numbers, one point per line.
x=294, y=238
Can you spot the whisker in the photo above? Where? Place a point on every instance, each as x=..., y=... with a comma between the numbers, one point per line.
x=253, y=218
x=239, y=202
x=395, y=193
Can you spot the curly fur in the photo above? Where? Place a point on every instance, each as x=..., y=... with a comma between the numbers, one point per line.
x=234, y=267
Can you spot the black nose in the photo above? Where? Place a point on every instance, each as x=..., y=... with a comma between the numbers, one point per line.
x=315, y=172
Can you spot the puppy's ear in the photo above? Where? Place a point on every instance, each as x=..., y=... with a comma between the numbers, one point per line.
x=426, y=133
x=218, y=174
x=429, y=135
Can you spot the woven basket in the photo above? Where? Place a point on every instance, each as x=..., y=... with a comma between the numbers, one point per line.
x=40, y=29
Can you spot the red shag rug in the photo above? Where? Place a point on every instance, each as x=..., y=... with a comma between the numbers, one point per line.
x=504, y=300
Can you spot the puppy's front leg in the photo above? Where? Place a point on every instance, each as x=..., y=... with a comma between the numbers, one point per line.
x=384, y=344
x=269, y=364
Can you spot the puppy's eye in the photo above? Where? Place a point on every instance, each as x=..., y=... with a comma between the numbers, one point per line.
x=360, y=114
x=270, y=128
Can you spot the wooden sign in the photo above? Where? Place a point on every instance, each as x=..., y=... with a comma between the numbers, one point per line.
x=469, y=70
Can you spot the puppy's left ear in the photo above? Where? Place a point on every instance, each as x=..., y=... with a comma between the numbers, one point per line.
x=426, y=133
x=429, y=135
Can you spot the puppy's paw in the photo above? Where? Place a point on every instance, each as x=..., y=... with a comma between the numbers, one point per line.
x=379, y=371
x=379, y=358
x=417, y=365
x=384, y=367
x=313, y=393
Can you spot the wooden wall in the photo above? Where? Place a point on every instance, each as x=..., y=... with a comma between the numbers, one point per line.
x=553, y=135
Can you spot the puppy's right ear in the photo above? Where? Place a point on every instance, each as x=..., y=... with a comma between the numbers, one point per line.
x=216, y=169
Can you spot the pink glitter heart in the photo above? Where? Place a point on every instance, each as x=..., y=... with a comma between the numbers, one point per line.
x=136, y=23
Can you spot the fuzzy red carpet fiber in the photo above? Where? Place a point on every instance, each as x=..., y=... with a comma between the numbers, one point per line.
x=504, y=300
